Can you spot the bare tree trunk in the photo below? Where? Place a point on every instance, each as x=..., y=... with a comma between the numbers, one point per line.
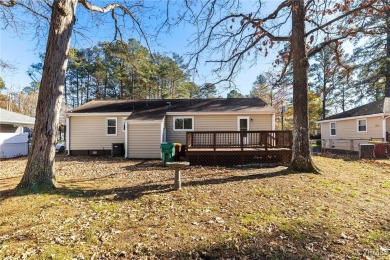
x=324, y=97
x=39, y=172
x=77, y=88
x=301, y=159
x=387, y=87
x=105, y=83
x=88, y=83
x=324, y=90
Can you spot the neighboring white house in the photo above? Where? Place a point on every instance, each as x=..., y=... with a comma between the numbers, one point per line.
x=142, y=125
x=13, y=142
x=347, y=130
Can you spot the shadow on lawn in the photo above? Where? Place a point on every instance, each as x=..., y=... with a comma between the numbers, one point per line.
x=275, y=245
x=133, y=192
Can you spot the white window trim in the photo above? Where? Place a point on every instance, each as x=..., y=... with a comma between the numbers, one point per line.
x=183, y=117
x=330, y=128
x=116, y=126
x=357, y=125
x=243, y=117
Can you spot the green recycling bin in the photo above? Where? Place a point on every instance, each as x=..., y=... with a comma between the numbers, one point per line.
x=168, y=152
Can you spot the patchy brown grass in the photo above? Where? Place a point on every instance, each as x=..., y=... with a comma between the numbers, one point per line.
x=115, y=208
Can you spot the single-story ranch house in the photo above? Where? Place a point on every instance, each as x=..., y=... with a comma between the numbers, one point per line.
x=142, y=125
x=13, y=141
x=347, y=130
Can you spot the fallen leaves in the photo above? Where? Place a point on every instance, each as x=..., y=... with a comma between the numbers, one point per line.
x=114, y=208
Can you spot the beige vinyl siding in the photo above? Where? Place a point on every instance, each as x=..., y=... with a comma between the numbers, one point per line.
x=347, y=131
x=89, y=133
x=144, y=140
x=388, y=125
x=217, y=123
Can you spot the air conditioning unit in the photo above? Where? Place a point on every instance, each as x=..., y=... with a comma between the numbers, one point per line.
x=366, y=151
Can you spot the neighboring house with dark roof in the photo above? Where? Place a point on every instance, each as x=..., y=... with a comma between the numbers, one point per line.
x=346, y=130
x=13, y=142
x=142, y=125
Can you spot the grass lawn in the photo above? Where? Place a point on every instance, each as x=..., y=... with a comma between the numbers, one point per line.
x=115, y=208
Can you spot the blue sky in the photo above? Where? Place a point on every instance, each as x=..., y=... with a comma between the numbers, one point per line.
x=22, y=51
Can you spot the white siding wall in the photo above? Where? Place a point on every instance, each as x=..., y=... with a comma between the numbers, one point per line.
x=217, y=123
x=347, y=130
x=144, y=140
x=89, y=132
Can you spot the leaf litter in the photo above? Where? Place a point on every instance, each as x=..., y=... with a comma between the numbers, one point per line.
x=115, y=208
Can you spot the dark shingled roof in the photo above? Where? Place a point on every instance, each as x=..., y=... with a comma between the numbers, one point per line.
x=155, y=109
x=375, y=107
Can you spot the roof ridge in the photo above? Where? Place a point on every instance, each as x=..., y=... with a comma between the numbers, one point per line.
x=360, y=110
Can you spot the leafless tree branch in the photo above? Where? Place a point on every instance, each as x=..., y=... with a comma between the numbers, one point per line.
x=346, y=14
x=13, y=3
x=111, y=7
x=284, y=70
x=95, y=8
x=9, y=3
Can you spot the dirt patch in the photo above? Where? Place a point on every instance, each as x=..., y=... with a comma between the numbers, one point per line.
x=116, y=208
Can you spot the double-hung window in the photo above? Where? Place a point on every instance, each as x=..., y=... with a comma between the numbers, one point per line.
x=183, y=123
x=362, y=125
x=111, y=126
x=333, y=129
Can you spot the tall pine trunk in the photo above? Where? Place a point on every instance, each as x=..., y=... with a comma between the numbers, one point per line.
x=39, y=172
x=301, y=159
x=387, y=86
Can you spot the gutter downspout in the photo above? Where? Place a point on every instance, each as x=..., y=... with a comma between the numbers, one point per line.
x=126, y=140
x=273, y=122
x=67, y=134
x=384, y=127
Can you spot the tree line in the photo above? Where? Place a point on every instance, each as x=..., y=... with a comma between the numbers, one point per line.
x=125, y=70
x=230, y=34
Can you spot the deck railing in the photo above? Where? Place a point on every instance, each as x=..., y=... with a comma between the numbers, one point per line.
x=239, y=139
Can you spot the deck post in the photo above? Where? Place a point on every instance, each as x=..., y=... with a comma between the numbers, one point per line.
x=215, y=141
x=242, y=140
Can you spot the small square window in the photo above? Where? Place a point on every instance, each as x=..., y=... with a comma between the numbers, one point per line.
x=332, y=128
x=111, y=126
x=362, y=125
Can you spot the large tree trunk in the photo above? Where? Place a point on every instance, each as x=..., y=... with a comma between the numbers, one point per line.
x=301, y=159
x=39, y=172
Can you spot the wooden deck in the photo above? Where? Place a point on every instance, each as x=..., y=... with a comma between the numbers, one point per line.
x=238, y=148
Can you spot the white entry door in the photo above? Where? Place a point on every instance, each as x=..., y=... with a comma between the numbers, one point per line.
x=243, y=125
